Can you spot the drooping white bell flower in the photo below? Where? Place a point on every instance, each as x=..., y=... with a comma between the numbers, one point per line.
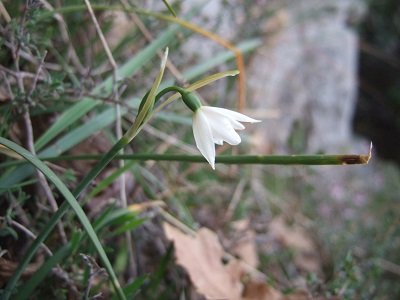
x=213, y=125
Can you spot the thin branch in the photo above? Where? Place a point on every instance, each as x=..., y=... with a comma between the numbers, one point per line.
x=148, y=36
x=236, y=197
x=65, y=37
x=7, y=84
x=21, y=73
x=35, y=79
x=27, y=232
x=26, y=9
x=30, y=139
x=118, y=129
x=4, y=12
x=42, y=179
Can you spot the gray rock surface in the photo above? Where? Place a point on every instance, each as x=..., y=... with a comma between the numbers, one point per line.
x=306, y=68
x=308, y=71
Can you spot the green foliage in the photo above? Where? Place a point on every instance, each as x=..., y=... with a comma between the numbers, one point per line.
x=64, y=89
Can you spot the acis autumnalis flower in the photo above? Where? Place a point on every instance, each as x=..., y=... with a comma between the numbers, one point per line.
x=212, y=125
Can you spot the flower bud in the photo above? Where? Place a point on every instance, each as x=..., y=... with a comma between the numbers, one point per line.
x=191, y=100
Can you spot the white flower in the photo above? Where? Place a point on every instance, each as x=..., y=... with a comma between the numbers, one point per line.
x=212, y=125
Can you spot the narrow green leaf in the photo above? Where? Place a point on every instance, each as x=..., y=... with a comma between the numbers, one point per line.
x=132, y=289
x=26, y=290
x=113, y=217
x=107, y=181
x=127, y=227
x=169, y=8
x=70, y=200
x=86, y=104
x=80, y=133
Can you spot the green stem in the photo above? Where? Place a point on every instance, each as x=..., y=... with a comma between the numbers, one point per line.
x=333, y=159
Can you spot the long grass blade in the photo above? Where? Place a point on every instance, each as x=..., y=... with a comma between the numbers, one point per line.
x=86, y=104
x=70, y=201
x=27, y=289
x=80, y=133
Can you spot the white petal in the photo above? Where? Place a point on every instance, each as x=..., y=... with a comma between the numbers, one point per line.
x=233, y=115
x=236, y=125
x=218, y=142
x=222, y=130
x=203, y=137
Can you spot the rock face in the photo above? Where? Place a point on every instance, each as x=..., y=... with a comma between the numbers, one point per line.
x=307, y=70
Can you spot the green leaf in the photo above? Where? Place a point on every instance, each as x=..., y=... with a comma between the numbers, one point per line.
x=71, y=201
x=132, y=289
x=127, y=227
x=26, y=290
x=86, y=104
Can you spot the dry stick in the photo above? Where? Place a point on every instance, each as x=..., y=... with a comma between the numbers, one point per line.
x=115, y=94
x=65, y=37
x=21, y=28
x=28, y=123
x=235, y=199
x=28, y=233
x=35, y=78
x=171, y=67
x=21, y=73
x=222, y=42
x=20, y=212
x=7, y=83
x=118, y=129
x=4, y=13
x=388, y=266
x=30, y=141
x=148, y=36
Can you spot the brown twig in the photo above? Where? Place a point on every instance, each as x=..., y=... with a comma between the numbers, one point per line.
x=118, y=129
x=7, y=84
x=148, y=36
x=65, y=37
x=27, y=232
x=21, y=73
x=27, y=120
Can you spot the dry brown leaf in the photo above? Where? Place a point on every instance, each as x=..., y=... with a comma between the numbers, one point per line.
x=307, y=256
x=201, y=255
x=139, y=207
x=261, y=291
x=245, y=248
x=7, y=269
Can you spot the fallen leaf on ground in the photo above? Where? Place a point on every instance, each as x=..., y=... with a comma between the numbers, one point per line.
x=245, y=247
x=202, y=256
x=307, y=256
x=261, y=291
